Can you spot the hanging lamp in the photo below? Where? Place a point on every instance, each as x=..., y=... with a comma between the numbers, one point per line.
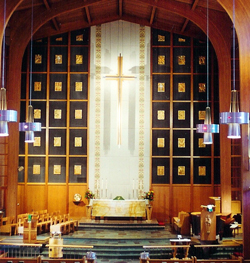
x=207, y=128
x=234, y=117
x=29, y=127
x=5, y=115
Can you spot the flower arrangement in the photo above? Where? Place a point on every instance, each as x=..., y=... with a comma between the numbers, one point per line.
x=89, y=194
x=149, y=195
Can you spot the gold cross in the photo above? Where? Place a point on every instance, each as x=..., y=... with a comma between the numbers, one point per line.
x=119, y=77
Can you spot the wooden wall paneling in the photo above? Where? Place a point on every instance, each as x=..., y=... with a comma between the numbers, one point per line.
x=182, y=200
x=20, y=199
x=201, y=195
x=35, y=197
x=161, y=203
x=57, y=198
x=77, y=210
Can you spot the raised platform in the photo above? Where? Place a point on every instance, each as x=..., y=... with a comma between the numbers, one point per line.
x=119, y=223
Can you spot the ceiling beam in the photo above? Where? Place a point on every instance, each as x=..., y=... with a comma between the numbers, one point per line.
x=195, y=3
x=120, y=8
x=152, y=15
x=88, y=14
x=54, y=21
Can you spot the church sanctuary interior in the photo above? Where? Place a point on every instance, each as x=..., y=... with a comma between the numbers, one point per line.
x=124, y=131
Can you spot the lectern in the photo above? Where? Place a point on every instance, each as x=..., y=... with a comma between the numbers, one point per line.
x=208, y=223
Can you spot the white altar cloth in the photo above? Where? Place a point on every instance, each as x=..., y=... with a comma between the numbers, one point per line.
x=118, y=208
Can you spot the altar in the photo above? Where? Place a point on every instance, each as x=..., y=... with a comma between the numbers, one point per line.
x=118, y=208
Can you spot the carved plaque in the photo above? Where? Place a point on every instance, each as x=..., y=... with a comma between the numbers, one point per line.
x=181, y=170
x=57, y=114
x=202, y=114
x=57, y=141
x=37, y=114
x=59, y=39
x=181, y=115
x=37, y=142
x=201, y=144
x=37, y=86
x=181, y=40
x=78, y=86
x=36, y=169
x=202, y=87
x=38, y=59
x=161, y=60
x=79, y=37
x=78, y=141
x=161, y=115
x=77, y=169
x=58, y=86
x=181, y=87
x=202, y=60
x=58, y=59
x=79, y=59
x=160, y=170
x=181, y=142
x=78, y=114
x=181, y=60
x=202, y=170
x=160, y=142
x=161, y=87
x=57, y=169
x=161, y=38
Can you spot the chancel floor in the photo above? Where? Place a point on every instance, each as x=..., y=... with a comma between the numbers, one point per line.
x=120, y=242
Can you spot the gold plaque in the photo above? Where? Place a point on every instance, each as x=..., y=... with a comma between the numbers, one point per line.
x=78, y=141
x=57, y=142
x=37, y=142
x=58, y=59
x=201, y=144
x=160, y=142
x=37, y=86
x=202, y=60
x=161, y=115
x=181, y=87
x=37, y=114
x=79, y=59
x=77, y=169
x=181, y=142
x=79, y=37
x=202, y=87
x=57, y=114
x=58, y=86
x=57, y=169
x=39, y=41
x=78, y=86
x=181, y=60
x=59, y=39
x=161, y=60
x=36, y=169
x=181, y=170
x=181, y=40
x=160, y=170
x=38, y=59
x=202, y=114
x=202, y=170
x=181, y=115
x=161, y=38
x=78, y=114
x=161, y=87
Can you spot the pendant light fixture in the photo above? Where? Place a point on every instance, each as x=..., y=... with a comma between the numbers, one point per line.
x=29, y=127
x=234, y=117
x=207, y=128
x=5, y=115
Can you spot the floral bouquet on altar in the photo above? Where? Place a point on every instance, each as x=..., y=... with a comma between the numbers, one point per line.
x=149, y=195
x=89, y=194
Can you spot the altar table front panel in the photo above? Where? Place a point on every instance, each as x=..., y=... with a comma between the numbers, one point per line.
x=118, y=208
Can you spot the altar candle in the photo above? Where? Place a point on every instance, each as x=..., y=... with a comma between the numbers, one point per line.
x=106, y=184
x=133, y=184
x=102, y=184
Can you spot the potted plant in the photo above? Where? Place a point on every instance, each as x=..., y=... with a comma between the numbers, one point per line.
x=89, y=195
